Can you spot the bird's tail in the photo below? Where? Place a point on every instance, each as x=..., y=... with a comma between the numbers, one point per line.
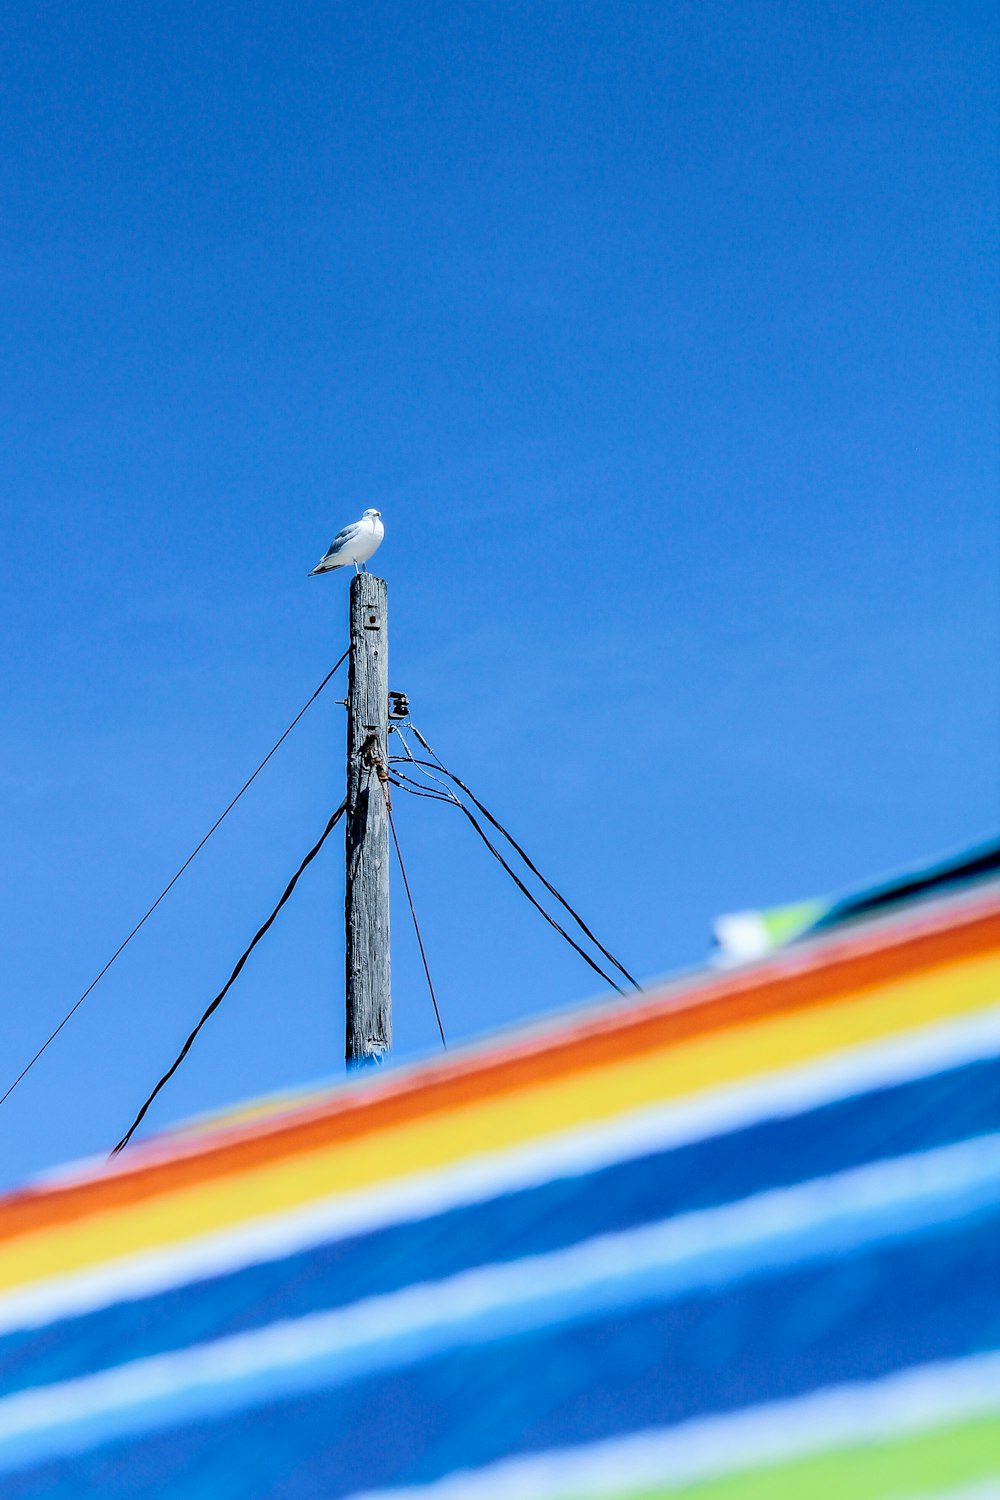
x=323, y=567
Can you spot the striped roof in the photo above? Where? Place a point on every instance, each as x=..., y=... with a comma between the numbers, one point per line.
x=737, y=1239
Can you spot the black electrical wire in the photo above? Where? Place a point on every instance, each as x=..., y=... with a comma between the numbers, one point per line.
x=289, y=888
x=454, y=802
x=440, y=766
x=170, y=884
x=413, y=914
x=419, y=790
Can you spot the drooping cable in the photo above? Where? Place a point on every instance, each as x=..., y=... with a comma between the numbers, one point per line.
x=455, y=802
x=289, y=888
x=418, y=788
x=171, y=883
x=440, y=766
x=384, y=779
x=527, y=860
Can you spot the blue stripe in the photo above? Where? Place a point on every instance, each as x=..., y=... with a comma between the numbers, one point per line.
x=640, y=1271
x=855, y=1317
x=920, y=1115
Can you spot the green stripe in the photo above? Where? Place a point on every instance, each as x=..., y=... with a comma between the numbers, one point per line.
x=927, y=1464
x=782, y=923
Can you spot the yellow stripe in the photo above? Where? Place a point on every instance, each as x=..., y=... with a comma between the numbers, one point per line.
x=669, y=1073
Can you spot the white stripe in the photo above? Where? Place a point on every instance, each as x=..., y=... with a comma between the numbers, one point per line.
x=856, y=1070
x=537, y=1287
x=897, y=1406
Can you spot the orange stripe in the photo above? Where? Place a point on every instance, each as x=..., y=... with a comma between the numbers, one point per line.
x=799, y=979
x=497, y=1124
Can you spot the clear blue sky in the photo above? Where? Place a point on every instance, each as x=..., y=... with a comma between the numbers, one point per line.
x=665, y=337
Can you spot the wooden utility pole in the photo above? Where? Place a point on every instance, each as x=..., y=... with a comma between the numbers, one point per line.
x=369, y=1000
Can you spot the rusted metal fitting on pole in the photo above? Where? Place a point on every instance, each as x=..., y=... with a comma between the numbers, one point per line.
x=371, y=753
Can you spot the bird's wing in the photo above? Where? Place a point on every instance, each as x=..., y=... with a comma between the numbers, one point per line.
x=342, y=538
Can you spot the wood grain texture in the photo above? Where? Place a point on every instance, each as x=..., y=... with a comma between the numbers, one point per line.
x=369, y=996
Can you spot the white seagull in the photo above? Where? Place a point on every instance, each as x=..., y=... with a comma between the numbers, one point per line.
x=355, y=544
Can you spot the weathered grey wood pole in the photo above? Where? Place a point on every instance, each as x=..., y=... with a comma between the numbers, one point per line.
x=369, y=1002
